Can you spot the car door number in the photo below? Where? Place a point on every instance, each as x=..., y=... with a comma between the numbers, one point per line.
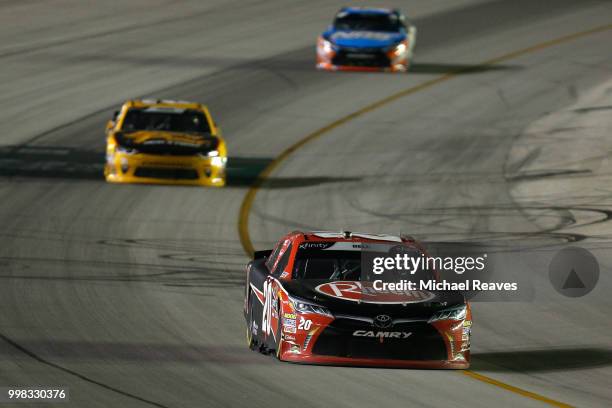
x=266, y=325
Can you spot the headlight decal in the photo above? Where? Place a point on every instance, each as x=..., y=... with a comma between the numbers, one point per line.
x=455, y=313
x=305, y=307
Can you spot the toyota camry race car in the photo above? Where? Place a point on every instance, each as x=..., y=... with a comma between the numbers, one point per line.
x=310, y=300
x=366, y=39
x=164, y=142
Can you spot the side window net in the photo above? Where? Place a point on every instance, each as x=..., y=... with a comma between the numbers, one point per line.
x=284, y=260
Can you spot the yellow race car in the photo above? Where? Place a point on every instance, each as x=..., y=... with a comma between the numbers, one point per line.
x=164, y=142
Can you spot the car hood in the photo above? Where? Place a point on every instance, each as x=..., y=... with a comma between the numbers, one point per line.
x=417, y=303
x=162, y=137
x=161, y=142
x=364, y=39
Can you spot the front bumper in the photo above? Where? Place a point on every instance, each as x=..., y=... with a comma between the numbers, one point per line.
x=374, y=362
x=441, y=344
x=325, y=66
x=369, y=60
x=155, y=169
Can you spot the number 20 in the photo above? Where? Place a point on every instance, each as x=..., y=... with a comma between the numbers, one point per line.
x=304, y=324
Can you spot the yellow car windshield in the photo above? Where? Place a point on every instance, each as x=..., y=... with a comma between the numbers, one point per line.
x=165, y=119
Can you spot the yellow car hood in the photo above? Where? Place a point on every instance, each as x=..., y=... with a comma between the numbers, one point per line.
x=166, y=143
x=162, y=137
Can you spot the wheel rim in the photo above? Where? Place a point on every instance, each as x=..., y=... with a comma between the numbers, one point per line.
x=249, y=336
x=249, y=328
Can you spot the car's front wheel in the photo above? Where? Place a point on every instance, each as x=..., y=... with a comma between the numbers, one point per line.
x=249, y=329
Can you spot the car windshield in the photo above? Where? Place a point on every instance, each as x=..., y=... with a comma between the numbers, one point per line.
x=367, y=22
x=174, y=120
x=328, y=265
x=325, y=264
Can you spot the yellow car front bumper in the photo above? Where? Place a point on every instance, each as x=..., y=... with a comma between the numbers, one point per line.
x=153, y=169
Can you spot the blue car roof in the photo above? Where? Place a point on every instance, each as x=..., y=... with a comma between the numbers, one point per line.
x=365, y=10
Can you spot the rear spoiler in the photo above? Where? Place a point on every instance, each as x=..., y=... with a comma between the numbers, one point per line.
x=262, y=254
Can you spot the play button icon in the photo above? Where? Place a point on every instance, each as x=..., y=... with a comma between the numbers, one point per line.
x=573, y=272
x=573, y=281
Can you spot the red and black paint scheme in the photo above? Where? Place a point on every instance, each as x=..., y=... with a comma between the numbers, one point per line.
x=298, y=311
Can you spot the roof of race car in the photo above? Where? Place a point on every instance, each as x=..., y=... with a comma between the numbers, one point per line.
x=163, y=103
x=347, y=236
x=364, y=10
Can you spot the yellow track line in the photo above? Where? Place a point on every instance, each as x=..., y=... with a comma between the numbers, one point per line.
x=249, y=198
x=514, y=389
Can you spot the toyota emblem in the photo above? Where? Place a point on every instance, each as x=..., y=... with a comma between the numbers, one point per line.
x=382, y=321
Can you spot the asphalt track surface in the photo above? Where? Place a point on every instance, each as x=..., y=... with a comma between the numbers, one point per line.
x=132, y=295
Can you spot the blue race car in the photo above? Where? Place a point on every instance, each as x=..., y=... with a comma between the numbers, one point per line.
x=367, y=39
